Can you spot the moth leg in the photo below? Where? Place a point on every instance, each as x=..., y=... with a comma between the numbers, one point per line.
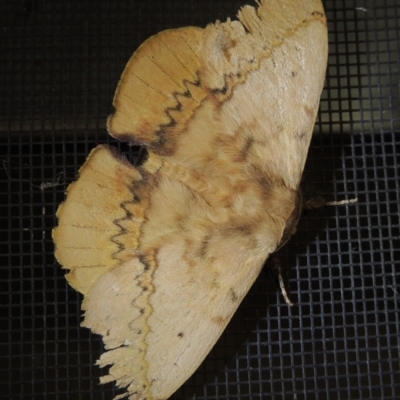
x=283, y=290
x=277, y=267
x=319, y=202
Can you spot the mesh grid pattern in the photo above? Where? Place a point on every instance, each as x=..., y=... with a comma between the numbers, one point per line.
x=60, y=64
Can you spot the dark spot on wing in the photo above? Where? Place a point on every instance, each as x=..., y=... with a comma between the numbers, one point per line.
x=246, y=148
x=222, y=90
x=202, y=252
x=143, y=260
x=301, y=135
x=232, y=295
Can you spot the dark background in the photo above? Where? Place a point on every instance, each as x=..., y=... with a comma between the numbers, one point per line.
x=60, y=62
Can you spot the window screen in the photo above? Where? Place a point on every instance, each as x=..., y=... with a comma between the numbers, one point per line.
x=60, y=64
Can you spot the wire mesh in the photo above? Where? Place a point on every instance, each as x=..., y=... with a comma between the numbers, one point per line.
x=60, y=63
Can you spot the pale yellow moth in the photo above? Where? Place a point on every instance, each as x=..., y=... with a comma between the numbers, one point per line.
x=165, y=252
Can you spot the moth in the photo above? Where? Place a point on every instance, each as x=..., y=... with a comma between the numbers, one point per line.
x=165, y=252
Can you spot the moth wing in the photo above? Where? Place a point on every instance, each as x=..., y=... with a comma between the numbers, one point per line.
x=160, y=298
x=160, y=79
x=282, y=45
x=159, y=326
x=89, y=237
